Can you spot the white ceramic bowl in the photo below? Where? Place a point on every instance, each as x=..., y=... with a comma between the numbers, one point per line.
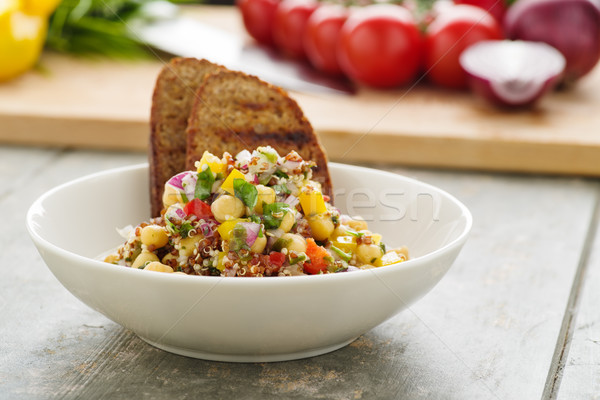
x=248, y=319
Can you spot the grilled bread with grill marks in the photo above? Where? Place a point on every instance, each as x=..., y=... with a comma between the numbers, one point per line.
x=234, y=111
x=174, y=95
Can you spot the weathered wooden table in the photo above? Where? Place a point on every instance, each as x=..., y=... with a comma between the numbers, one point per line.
x=516, y=317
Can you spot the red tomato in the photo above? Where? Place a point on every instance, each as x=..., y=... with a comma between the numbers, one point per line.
x=321, y=36
x=277, y=258
x=289, y=24
x=495, y=7
x=452, y=31
x=258, y=18
x=198, y=208
x=380, y=45
x=317, y=255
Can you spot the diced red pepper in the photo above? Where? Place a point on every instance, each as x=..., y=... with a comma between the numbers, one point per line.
x=317, y=256
x=198, y=208
x=277, y=258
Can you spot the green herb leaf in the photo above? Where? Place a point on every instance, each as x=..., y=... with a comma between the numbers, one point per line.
x=335, y=219
x=204, y=184
x=97, y=27
x=271, y=155
x=280, y=244
x=238, y=238
x=184, y=197
x=341, y=253
x=245, y=191
x=279, y=173
x=255, y=218
x=354, y=233
x=281, y=189
x=301, y=257
x=273, y=214
x=184, y=229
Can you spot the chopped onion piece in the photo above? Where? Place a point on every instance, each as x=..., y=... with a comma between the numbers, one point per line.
x=252, y=230
x=189, y=184
x=292, y=200
x=176, y=181
x=126, y=231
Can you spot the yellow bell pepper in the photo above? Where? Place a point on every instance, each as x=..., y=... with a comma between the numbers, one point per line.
x=345, y=243
x=390, y=258
x=376, y=238
x=312, y=202
x=213, y=162
x=220, y=258
x=23, y=26
x=42, y=8
x=226, y=227
x=228, y=183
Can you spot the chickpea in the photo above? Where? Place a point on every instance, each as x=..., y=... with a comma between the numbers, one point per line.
x=340, y=231
x=259, y=244
x=154, y=235
x=368, y=253
x=171, y=196
x=144, y=257
x=188, y=245
x=294, y=242
x=321, y=226
x=401, y=252
x=357, y=223
x=265, y=195
x=288, y=221
x=227, y=207
x=158, y=267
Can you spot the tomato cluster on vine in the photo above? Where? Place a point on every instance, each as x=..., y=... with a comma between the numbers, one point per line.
x=381, y=45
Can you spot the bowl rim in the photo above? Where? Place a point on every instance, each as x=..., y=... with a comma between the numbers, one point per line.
x=380, y=272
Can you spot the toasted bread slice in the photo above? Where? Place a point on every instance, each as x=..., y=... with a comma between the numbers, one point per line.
x=234, y=111
x=174, y=95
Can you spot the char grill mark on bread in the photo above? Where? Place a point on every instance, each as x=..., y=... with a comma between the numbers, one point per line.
x=174, y=95
x=234, y=111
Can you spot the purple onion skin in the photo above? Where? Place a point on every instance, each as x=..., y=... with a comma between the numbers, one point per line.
x=571, y=26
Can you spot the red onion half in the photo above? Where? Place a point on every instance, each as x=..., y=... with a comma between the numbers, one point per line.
x=512, y=73
x=571, y=26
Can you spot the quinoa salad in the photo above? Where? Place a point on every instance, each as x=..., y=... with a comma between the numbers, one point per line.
x=255, y=214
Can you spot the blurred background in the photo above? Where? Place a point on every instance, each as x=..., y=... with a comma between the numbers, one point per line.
x=478, y=84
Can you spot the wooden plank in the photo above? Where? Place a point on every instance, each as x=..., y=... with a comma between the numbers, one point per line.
x=80, y=103
x=579, y=373
x=104, y=104
x=488, y=330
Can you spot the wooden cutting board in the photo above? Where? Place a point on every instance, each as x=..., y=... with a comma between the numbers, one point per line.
x=106, y=104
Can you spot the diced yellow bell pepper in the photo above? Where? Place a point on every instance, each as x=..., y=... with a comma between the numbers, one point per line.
x=220, y=257
x=312, y=202
x=345, y=243
x=391, y=257
x=214, y=163
x=376, y=238
x=226, y=227
x=228, y=183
